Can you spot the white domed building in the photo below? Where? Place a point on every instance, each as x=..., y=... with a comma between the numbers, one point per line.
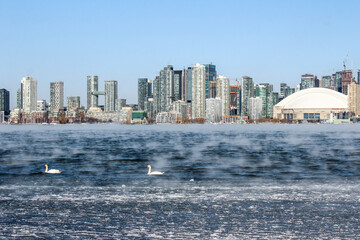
x=312, y=104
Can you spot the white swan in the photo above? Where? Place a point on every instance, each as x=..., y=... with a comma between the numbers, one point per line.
x=51, y=170
x=153, y=173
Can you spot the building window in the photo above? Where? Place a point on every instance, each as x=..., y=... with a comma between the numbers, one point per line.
x=311, y=115
x=306, y=116
x=317, y=115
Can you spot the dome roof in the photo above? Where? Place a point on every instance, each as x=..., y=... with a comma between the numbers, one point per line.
x=314, y=98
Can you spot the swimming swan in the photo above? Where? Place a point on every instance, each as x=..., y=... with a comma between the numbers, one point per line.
x=153, y=173
x=51, y=170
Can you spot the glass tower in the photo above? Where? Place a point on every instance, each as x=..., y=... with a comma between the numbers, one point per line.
x=210, y=75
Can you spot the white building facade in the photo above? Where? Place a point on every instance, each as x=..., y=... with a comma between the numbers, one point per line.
x=29, y=94
x=56, y=96
x=223, y=92
x=198, y=91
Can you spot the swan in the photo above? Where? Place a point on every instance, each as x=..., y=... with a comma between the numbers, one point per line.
x=153, y=173
x=51, y=170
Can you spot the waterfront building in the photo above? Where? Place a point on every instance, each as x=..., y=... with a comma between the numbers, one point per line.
x=111, y=94
x=309, y=81
x=275, y=98
x=188, y=82
x=120, y=103
x=212, y=89
x=198, y=91
x=247, y=91
x=19, y=99
x=5, y=101
x=29, y=94
x=180, y=107
x=92, y=86
x=210, y=75
x=223, y=92
x=149, y=107
x=313, y=104
x=156, y=94
x=235, y=100
x=214, y=110
x=346, y=78
x=265, y=92
x=354, y=98
x=166, y=88
x=73, y=102
x=178, y=85
x=144, y=92
x=41, y=105
x=169, y=117
x=255, y=107
x=56, y=96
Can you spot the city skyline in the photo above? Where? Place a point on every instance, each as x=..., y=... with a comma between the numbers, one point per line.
x=127, y=41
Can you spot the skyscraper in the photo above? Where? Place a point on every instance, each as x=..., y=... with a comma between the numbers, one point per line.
x=188, y=84
x=111, y=94
x=166, y=88
x=92, y=86
x=56, y=96
x=308, y=81
x=210, y=75
x=338, y=81
x=198, y=91
x=4, y=101
x=223, y=92
x=19, y=98
x=346, y=79
x=29, y=94
x=247, y=91
x=265, y=92
x=144, y=92
x=178, y=79
x=156, y=94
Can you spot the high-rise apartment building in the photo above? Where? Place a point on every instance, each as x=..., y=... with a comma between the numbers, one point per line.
x=120, y=103
x=338, y=81
x=354, y=98
x=178, y=85
x=73, y=102
x=223, y=92
x=156, y=94
x=213, y=110
x=5, y=101
x=212, y=89
x=285, y=90
x=247, y=91
x=92, y=86
x=111, y=94
x=309, y=81
x=235, y=100
x=188, y=84
x=210, y=75
x=41, y=105
x=265, y=92
x=56, y=96
x=19, y=98
x=29, y=94
x=255, y=108
x=346, y=78
x=198, y=91
x=144, y=92
x=166, y=88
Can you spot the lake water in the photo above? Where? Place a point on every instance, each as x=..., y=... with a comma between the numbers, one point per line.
x=221, y=182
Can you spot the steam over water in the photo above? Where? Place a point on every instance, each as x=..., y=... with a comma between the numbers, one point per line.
x=220, y=182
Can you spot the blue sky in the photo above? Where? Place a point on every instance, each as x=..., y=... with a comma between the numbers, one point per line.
x=271, y=41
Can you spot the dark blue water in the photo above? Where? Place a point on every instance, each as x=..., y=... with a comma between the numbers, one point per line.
x=220, y=182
